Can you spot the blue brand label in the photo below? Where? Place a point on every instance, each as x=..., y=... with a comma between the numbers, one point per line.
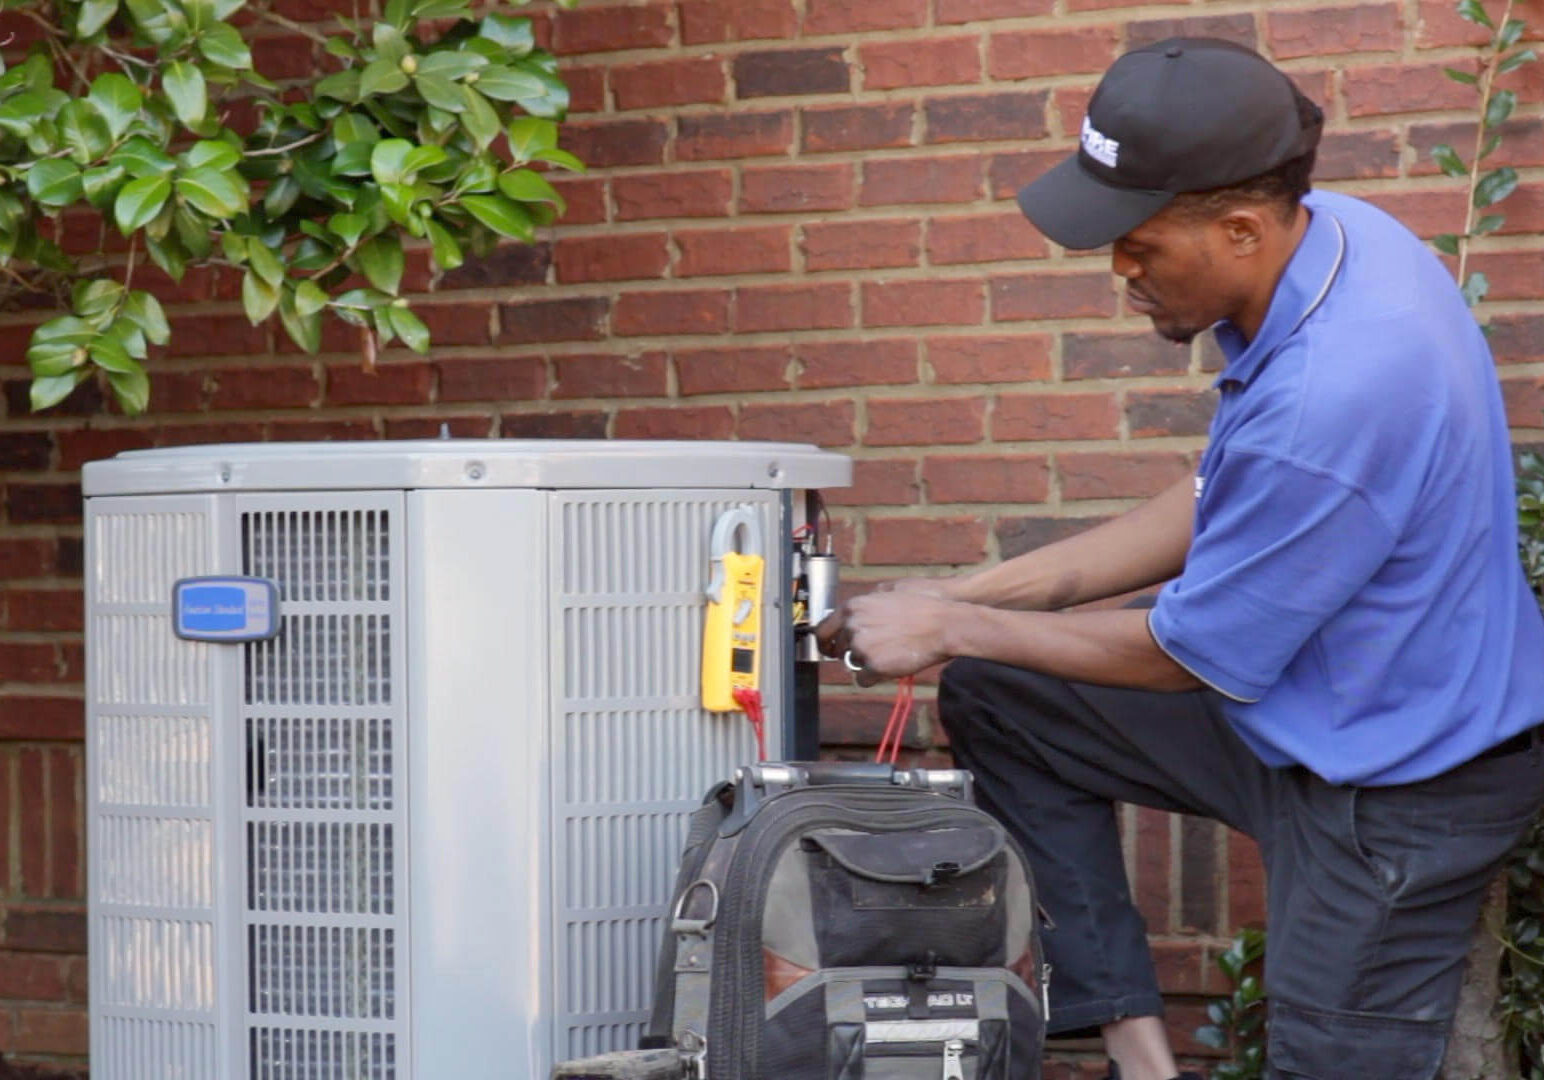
x=225, y=609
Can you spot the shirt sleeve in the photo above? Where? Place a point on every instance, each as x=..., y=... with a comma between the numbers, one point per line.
x=1279, y=548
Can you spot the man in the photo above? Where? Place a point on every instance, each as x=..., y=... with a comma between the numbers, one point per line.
x=1345, y=662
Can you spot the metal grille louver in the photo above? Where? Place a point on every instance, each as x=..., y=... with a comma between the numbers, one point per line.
x=632, y=748
x=324, y=813
x=152, y=812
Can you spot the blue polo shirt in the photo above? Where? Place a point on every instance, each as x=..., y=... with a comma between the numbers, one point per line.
x=1353, y=584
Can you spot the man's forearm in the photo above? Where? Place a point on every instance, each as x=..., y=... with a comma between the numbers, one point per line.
x=1141, y=547
x=1110, y=648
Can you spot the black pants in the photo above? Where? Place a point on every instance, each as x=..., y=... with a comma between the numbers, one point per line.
x=1372, y=892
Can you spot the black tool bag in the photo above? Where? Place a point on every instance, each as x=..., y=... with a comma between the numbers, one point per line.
x=851, y=922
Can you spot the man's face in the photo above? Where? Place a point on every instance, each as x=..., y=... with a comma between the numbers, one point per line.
x=1179, y=272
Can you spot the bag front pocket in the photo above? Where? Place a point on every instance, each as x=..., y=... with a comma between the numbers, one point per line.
x=930, y=897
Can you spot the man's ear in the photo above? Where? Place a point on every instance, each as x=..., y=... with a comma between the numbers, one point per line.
x=1245, y=228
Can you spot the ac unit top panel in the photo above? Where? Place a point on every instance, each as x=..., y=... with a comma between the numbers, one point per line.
x=467, y=463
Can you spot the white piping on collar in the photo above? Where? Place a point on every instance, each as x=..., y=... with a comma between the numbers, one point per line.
x=1340, y=257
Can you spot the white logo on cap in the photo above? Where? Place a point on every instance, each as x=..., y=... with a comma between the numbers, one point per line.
x=1100, y=146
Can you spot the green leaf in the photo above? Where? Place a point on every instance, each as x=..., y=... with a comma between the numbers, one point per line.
x=390, y=43
x=507, y=84
x=54, y=182
x=304, y=330
x=1458, y=75
x=211, y=154
x=100, y=185
x=421, y=157
x=140, y=157
x=280, y=197
x=523, y=185
x=353, y=159
x=131, y=388
x=440, y=9
x=502, y=216
x=396, y=12
x=184, y=85
x=1490, y=145
x=409, y=327
x=1489, y=224
x=92, y=299
x=1475, y=12
x=83, y=131
x=93, y=15
x=382, y=262
x=440, y=92
x=1501, y=105
x=169, y=255
x=309, y=298
x=1516, y=60
x=530, y=135
x=1476, y=288
x=221, y=44
x=447, y=253
x=1213, y=1036
x=48, y=360
x=381, y=77
x=386, y=160
x=264, y=262
x=1448, y=160
x=258, y=297
x=144, y=310
x=66, y=329
x=349, y=226
x=1447, y=243
x=192, y=231
x=398, y=199
x=341, y=85
x=131, y=337
x=213, y=192
x=446, y=64
x=111, y=356
x=562, y=159
x=117, y=99
x=479, y=119
x=1494, y=187
x=48, y=392
x=20, y=113
x=515, y=34
x=1510, y=34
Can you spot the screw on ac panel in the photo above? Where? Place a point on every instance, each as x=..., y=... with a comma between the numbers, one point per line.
x=225, y=473
x=475, y=470
x=775, y=471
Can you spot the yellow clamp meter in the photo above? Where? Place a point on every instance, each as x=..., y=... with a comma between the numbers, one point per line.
x=731, y=637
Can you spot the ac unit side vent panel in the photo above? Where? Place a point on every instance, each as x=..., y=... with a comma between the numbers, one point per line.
x=323, y=808
x=632, y=748
x=151, y=803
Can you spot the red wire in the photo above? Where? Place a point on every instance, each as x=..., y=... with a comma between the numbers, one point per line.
x=750, y=701
x=895, y=728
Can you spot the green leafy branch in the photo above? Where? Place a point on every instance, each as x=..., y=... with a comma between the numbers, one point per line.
x=441, y=139
x=1237, y=1022
x=1522, y=984
x=1497, y=58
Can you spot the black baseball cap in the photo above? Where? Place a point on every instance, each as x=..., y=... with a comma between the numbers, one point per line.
x=1186, y=114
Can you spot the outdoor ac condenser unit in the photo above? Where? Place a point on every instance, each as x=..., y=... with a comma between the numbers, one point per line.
x=427, y=831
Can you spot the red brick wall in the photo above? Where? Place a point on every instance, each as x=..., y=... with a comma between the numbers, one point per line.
x=799, y=226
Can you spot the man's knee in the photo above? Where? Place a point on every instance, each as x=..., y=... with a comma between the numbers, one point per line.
x=1322, y=1044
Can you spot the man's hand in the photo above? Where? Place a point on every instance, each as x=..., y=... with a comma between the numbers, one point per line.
x=890, y=632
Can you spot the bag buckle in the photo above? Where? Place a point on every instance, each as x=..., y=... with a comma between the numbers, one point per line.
x=680, y=924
